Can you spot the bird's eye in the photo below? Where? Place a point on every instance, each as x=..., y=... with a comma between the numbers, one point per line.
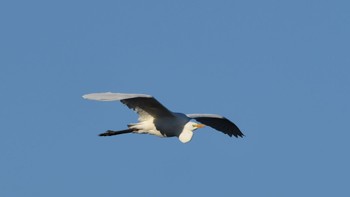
x=194, y=125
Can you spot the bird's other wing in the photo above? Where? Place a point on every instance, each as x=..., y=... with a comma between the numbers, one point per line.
x=145, y=105
x=218, y=122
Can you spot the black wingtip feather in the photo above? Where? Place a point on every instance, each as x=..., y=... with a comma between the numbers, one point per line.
x=221, y=124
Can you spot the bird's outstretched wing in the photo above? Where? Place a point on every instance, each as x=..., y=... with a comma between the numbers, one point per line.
x=218, y=122
x=145, y=105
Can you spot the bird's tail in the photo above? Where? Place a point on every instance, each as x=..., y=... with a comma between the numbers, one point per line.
x=111, y=133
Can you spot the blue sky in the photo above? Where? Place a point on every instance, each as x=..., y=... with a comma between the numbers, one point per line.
x=278, y=69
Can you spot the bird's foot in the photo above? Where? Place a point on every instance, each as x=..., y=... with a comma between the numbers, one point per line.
x=108, y=133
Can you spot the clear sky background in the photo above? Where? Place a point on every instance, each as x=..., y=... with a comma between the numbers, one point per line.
x=279, y=69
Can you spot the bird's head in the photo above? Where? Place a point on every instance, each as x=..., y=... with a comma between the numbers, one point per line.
x=187, y=133
x=193, y=126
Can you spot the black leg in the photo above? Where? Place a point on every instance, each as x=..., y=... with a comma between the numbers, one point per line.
x=111, y=133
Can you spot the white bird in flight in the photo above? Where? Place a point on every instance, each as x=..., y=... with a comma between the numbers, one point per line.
x=157, y=120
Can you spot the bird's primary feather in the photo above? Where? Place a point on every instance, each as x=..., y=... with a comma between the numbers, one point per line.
x=218, y=122
x=145, y=105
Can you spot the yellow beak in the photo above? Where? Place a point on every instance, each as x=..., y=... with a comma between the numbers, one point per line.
x=200, y=125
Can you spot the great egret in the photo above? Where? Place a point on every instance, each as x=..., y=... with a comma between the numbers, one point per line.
x=157, y=120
